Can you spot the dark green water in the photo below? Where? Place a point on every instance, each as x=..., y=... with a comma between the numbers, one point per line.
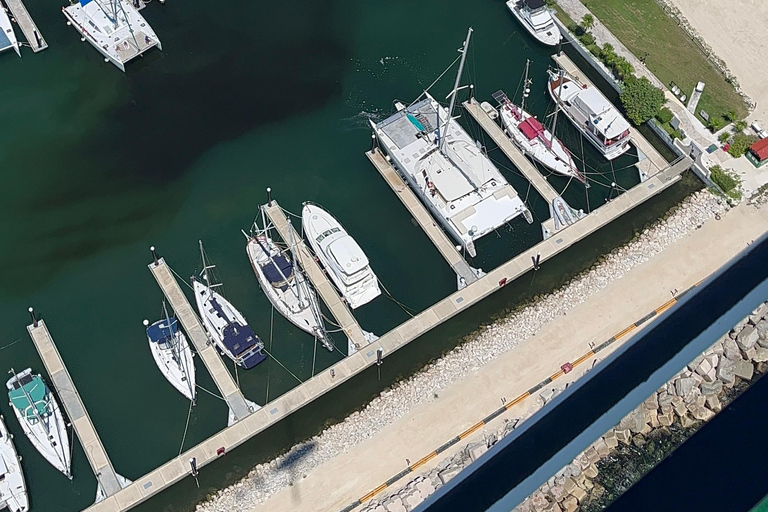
x=98, y=165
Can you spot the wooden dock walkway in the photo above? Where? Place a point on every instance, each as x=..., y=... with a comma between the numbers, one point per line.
x=108, y=479
x=443, y=244
x=288, y=403
x=237, y=403
x=318, y=278
x=651, y=162
x=27, y=25
x=510, y=150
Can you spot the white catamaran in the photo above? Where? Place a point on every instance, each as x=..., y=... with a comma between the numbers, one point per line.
x=532, y=137
x=451, y=174
x=590, y=112
x=225, y=324
x=537, y=19
x=7, y=35
x=114, y=27
x=172, y=354
x=13, y=490
x=344, y=260
x=284, y=283
x=41, y=419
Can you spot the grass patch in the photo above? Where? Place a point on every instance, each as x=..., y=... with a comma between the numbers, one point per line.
x=561, y=14
x=644, y=27
x=728, y=182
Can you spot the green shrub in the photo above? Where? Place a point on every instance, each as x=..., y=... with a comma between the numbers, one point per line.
x=730, y=115
x=740, y=144
x=728, y=183
x=594, y=50
x=641, y=99
x=587, y=39
x=587, y=21
x=664, y=115
x=724, y=137
x=623, y=68
x=739, y=126
x=715, y=123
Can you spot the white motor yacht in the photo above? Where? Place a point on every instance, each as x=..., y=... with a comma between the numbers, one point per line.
x=342, y=258
x=537, y=19
x=41, y=418
x=114, y=27
x=13, y=490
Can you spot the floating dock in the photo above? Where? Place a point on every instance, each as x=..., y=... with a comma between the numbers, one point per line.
x=231, y=393
x=108, y=479
x=651, y=161
x=27, y=25
x=318, y=278
x=465, y=273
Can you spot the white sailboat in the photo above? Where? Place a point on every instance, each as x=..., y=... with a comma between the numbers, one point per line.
x=537, y=19
x=13, y=490
x=114, y=27
x=224, y=323
x=532, y=137
x=447, y=169
x=7, y=35
x=41, y=418
x=283, y=282
x=172, y=354
x=342, y=258
x=589, y=111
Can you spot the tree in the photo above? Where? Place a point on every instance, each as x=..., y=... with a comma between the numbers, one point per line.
x=641, y=99
x=724, y=136
x=623, y=68
x=587, y=22
x=715, y=123
x=731, y=116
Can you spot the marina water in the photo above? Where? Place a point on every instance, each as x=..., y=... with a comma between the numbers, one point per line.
x=98, y=165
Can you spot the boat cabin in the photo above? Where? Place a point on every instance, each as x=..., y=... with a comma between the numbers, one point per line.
x=278, y=271
x=239, y=340
x=25, y=388
x=162, y=332
x=538, y=14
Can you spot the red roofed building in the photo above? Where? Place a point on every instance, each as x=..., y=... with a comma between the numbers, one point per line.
x=758, y=153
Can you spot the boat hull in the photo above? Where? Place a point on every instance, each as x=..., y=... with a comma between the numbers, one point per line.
x=551, y=37
x=6, y=32
x=179, y=372
x=13, y=489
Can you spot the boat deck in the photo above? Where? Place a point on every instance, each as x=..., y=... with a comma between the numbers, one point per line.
x=207, y=351
x=318, y=278
x=107, y=477
x=422, y=216
x=27, y=25
x=129, y=50
x=651, y=162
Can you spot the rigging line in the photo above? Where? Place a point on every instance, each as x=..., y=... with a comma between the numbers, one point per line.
x=314, y=357
x=186, y=427
x=405, y=308
x=181, y=278
x=237, y=376
x=436, y=80
x=269, y=363
x=284, y=367
x=10, y=344
x=211, y=393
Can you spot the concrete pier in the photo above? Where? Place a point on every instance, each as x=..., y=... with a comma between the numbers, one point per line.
x=318, y=278
x=108, y=479
x=422, y=216
x=651, y=161
x=231, y=393
x=27, y=25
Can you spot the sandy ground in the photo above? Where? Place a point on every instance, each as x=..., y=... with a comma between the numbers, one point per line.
x=738, y=32
x=340, y=481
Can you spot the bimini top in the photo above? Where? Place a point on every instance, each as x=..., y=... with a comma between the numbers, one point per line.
x=29, y=387
x=531, y=128
x=161, y=331
x=236, y=338
x=278, y=270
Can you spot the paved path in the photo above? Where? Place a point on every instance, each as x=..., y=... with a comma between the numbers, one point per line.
x=344, y=479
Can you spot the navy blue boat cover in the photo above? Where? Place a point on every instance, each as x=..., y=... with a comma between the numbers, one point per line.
x=160, y=330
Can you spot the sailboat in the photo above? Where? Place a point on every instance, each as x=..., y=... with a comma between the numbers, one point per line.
x=7, y=35
x=41, y=418
x=532, y=137
x=13, y=490
x=224, y=323
x=283, y=282
x=447, y=169
x=172, y=354
x=342, y=258
x=114, y=27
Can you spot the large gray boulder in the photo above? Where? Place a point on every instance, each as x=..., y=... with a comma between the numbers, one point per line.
x=725, y=372
x=684, y=386
x=711, y=388
x=743, y=369
x=761, y=355
x=747, y=338
x=634, y=421
x=731, y=349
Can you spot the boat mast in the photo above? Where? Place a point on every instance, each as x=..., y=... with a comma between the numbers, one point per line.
x=455, y=91
x=526, y=85
x=296, y=271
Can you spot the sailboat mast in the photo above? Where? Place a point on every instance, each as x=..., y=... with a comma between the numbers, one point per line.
x=455, y=88
x=205, y=265
x=526, y=88
x=557, y=107
x=297, y=272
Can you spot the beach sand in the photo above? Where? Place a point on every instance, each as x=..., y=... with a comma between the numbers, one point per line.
x=738, y=33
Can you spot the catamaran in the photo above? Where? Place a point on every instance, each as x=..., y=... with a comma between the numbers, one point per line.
x=283, y=282
x=7, y=35
x=114, y=27
x=451, y=174
x=532, y=137
x=224, y=323
x=537, y=19
x=590, y=112
x=40, y=417
x=172, y=354
x=13, y=490
x=344, y=260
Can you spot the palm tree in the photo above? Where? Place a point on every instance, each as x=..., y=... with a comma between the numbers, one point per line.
x=587, y=22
